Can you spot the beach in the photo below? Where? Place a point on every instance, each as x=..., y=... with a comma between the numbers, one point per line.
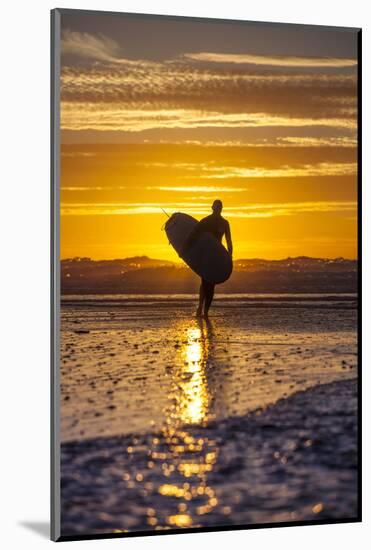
x=171, y=422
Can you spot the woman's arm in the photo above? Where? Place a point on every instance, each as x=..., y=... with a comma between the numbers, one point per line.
x=228, y=239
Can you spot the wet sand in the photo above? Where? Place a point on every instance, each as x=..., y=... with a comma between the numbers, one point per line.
x=169, y=422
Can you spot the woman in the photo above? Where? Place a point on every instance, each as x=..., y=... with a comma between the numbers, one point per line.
x=219, y=227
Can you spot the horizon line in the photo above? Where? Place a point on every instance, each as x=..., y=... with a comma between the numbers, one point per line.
x=235, y=260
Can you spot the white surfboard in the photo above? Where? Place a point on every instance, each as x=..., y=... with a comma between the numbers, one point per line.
x=206, y=256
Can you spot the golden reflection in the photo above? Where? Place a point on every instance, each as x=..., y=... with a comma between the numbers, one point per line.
x=194, y=398
x=186, y=457
x=194, y=456
x=180, y=520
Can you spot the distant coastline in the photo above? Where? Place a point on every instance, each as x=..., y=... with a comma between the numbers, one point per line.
x=144, y=275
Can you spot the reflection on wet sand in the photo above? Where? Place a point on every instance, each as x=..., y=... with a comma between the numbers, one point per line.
x=193, y=397
x=158, y=424
x=188, y=460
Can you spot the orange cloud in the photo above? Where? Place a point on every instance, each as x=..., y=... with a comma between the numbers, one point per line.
x=272, y=60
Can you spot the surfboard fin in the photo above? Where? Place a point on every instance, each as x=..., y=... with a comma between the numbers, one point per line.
x=164, y=211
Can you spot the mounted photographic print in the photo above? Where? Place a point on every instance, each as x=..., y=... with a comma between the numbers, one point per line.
x=205, y=274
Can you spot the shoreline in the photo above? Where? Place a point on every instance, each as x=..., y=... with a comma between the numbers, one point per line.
x=127, y=366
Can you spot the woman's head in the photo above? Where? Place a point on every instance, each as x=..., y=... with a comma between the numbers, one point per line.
x=217, y=206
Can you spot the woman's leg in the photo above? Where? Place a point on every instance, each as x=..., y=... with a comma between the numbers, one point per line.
x=201, y=299
x=209, y=295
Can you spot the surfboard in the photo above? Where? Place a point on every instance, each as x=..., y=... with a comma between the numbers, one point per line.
x=206, y=256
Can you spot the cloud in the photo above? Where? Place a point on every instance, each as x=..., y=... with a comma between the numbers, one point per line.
x=176, y=189
x=293, y=141
x=272, y=60
x=319, y=169
x=98, y=47
x=180, y=87
x=341, y=141
x=94, y=47
x=89, y=46
x=283, y=142
x=198, y=188
x=93, y=188
x=113, y=93
x=106, y=117
x=259, y=210
x=139, y=98
x=77, y=154
x=209, y=170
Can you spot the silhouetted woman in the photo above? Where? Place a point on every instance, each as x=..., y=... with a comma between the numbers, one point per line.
x=219, y=227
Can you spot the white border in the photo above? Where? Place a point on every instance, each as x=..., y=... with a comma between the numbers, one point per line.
x=25, y=273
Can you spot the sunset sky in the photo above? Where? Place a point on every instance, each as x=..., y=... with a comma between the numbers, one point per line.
x=175, y=113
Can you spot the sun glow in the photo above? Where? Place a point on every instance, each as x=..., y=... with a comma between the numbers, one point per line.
x=273, y=136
